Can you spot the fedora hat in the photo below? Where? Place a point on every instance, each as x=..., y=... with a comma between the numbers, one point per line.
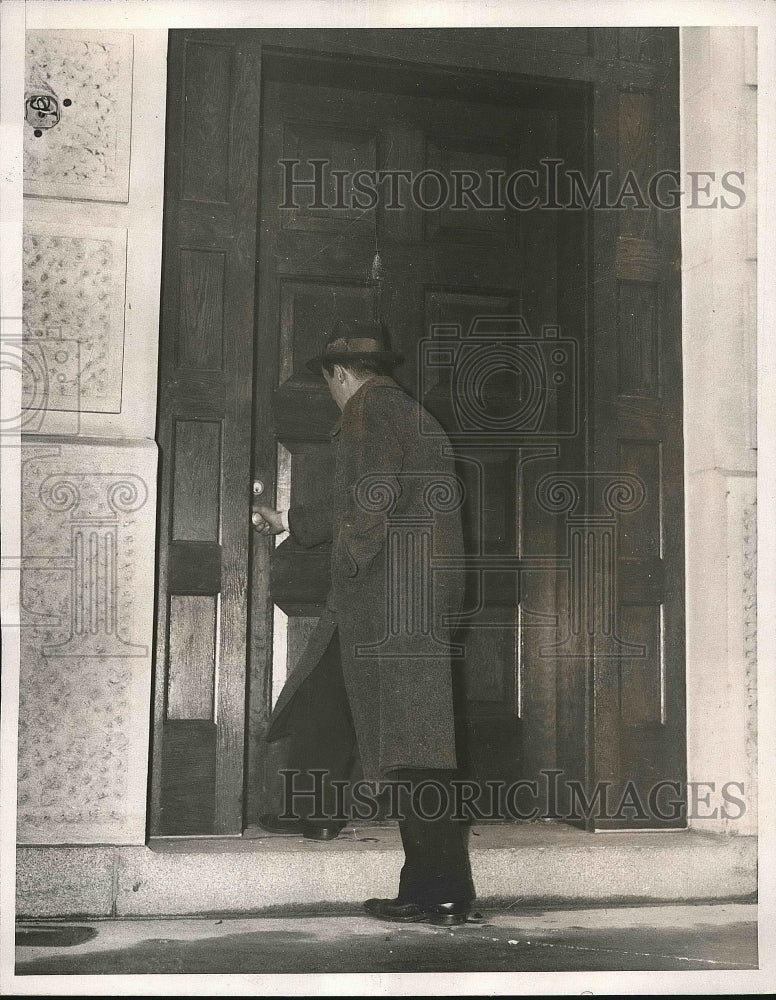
x=355, y=340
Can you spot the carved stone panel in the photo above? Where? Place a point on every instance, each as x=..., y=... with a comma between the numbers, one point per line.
x=73, y=310
x=88, y=526
x=78, y=100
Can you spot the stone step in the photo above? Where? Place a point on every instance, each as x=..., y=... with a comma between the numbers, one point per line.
x=514, y=864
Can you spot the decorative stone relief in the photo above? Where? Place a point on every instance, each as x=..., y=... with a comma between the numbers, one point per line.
x=749, y=531
x=73, y=309
x=86, y=603
x=740, y=740
x=78, y=100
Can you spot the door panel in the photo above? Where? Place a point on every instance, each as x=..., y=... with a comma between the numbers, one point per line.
x=204, y=435
x=639, y=714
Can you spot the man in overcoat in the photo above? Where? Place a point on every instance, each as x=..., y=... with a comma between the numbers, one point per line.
x=375, y=679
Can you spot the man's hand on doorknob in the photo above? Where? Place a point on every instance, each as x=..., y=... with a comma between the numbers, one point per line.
x=267, y=520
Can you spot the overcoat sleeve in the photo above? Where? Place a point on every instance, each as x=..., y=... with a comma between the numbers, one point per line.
x=311, y=524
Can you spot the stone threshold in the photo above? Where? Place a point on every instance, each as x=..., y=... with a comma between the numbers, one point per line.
x=516, y=865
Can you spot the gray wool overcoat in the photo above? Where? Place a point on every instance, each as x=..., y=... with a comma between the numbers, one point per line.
x=389, y=480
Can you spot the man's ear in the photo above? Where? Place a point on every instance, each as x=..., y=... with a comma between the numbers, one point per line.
x=339, y=373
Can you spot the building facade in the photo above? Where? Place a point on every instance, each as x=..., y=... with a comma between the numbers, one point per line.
x=92, y=489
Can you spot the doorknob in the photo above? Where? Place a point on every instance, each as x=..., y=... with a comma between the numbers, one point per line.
x=258, y=487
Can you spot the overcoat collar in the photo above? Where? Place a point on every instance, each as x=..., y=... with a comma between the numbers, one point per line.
x=376, y=380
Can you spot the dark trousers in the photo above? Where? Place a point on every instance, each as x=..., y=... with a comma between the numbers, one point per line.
x=436, y=866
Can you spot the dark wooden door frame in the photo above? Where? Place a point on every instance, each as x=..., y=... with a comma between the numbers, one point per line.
x=608, y=63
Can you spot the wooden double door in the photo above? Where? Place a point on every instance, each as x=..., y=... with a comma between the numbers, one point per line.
x=307, y=182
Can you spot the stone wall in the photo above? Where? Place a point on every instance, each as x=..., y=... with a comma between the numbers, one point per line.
x=719, y=134
x=93, y=186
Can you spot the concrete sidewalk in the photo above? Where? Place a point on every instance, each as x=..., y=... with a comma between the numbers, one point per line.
x=720, y=936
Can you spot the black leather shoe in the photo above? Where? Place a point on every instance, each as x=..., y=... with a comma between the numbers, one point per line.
x=273, y=823
x=320, y=831
x=402, y=912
